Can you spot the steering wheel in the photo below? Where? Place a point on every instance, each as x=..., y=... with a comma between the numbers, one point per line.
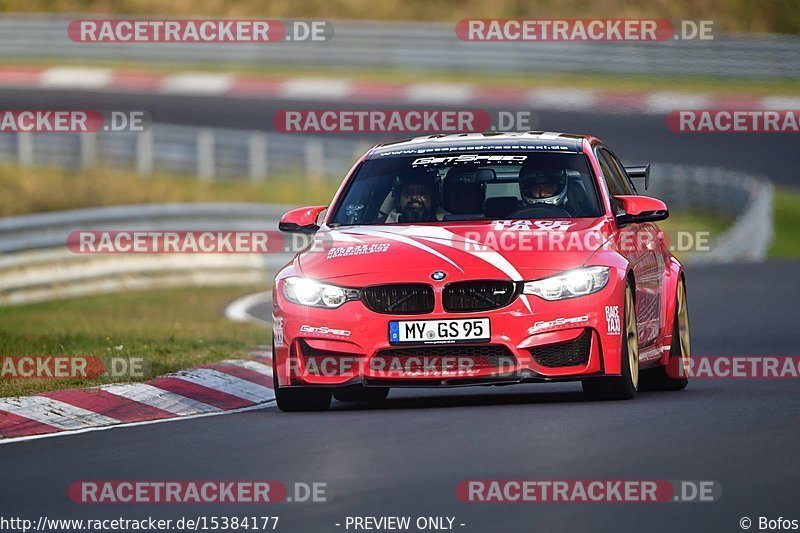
x=540, y=211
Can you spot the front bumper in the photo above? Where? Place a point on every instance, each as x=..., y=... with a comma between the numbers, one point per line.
x=543, y=341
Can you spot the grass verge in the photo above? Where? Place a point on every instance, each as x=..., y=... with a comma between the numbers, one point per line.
x=32, y=190
x=169, y=329
x=786, y=243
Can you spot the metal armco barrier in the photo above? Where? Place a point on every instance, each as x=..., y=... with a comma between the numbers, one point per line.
x=427, y=46
x=207, y=153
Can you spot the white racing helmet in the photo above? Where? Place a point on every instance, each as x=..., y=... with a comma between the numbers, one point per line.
x=543, y=186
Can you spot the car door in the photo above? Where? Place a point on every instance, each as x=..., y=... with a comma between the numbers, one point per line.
x=643, y=248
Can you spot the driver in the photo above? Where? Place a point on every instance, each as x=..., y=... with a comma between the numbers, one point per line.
x=416, y=197
x=543, y=184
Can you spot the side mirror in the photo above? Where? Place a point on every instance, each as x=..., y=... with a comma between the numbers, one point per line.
x=640, y=172
x=637, y=209
x=301, y=220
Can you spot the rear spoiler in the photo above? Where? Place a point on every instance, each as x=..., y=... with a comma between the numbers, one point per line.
x=640, y=171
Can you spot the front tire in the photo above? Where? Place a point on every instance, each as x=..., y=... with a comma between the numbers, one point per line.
x=296, y=399
x=624, y=386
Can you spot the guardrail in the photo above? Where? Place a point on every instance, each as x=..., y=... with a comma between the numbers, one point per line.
x=35, y=264
x=744, y=198
x=208, y=153
x=426, y=46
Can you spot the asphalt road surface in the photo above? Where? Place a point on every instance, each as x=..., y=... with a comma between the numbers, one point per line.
x=635, y=137
x=407, y=457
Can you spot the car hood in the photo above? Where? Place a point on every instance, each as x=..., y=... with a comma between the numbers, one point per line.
x=516, y=250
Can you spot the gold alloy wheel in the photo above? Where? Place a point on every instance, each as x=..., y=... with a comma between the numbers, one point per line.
x=683, y=326
x=632, y=337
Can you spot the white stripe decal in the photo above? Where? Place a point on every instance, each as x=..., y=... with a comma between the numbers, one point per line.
x=249, y=364
x=159, y=398
x=493, y=258
x=54, y=413
x=406, y=240
x=214, y=379
x=336, y=236
x=446, y=237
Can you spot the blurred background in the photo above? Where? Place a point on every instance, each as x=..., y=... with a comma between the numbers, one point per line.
x=212, y=158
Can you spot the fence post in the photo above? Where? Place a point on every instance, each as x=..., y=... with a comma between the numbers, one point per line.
x=314, y=152
x=25, y=149
x=257, y=152
x=88, y=142
x=144, y=152
x=205, y=154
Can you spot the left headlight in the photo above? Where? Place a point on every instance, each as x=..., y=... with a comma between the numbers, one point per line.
x=570, y=284
x=307, y=291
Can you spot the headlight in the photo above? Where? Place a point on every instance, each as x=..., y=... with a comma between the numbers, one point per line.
x=578, y=282
x=307, y=291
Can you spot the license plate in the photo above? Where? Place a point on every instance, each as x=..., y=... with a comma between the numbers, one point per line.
x=439, y=331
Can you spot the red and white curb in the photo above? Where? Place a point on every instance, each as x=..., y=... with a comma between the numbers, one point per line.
x=336, y=89
x=226, y=386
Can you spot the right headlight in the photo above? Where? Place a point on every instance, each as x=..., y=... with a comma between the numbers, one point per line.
x=310, y=292
x=569, y=284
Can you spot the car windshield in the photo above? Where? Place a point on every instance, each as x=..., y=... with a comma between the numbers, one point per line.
x=469, y=186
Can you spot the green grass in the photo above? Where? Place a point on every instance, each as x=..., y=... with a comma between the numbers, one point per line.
x=170, y=329
x=695, y=221
x=698, y=228
x=786, y=243
x=33, y=190
x=527, y=80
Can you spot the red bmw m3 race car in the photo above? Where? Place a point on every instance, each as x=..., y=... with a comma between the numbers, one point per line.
x=480, y=259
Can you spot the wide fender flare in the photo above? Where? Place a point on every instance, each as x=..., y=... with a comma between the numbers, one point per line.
x=672, y=274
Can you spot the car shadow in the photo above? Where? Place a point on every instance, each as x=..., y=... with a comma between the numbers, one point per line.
x=400, y=399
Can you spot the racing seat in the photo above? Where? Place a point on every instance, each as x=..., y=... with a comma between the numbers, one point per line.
x=500, y=206
x=577, y=196
x=460, y=196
